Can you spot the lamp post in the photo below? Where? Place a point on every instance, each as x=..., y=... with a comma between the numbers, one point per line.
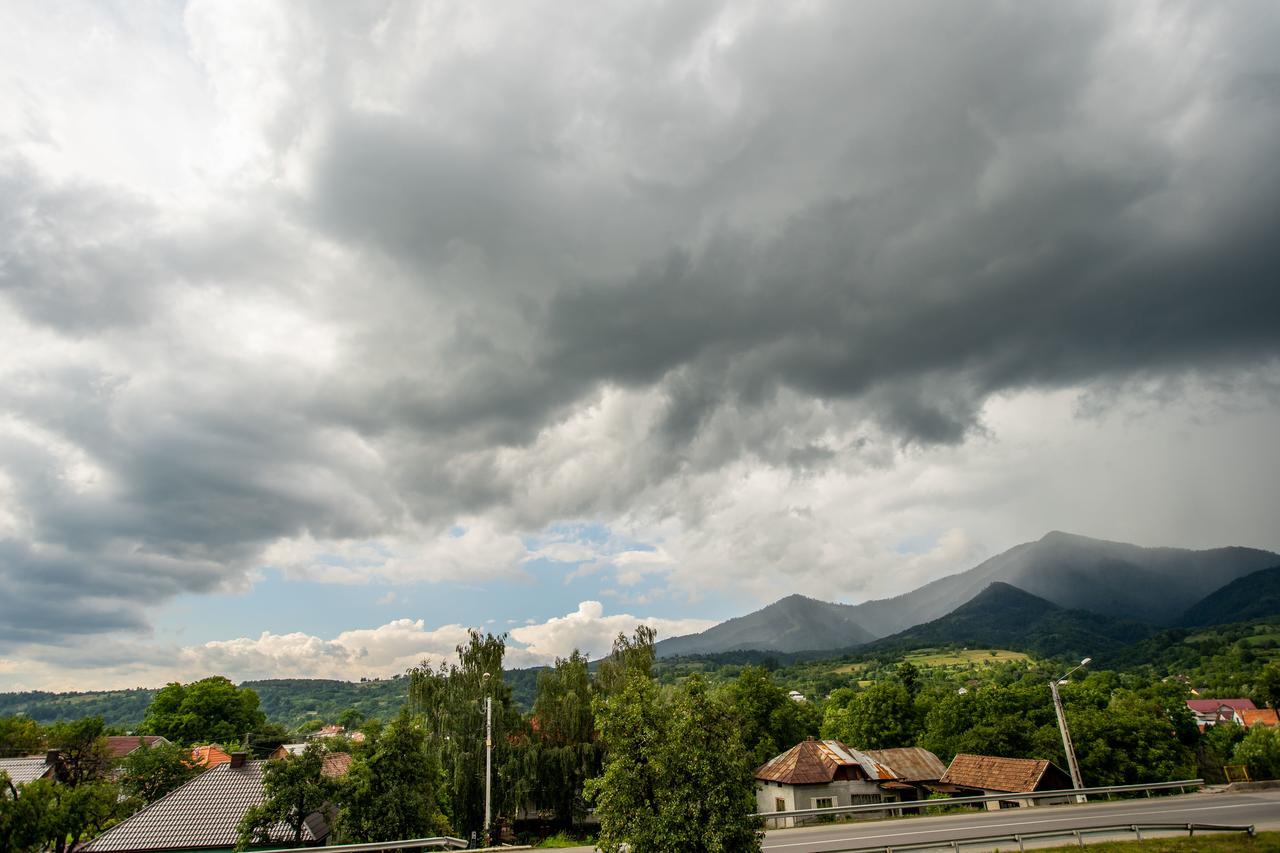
x=488, y=755
x=1066, y=735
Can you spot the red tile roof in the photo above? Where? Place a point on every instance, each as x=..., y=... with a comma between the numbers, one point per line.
x=1210, y=706
x=993, y=773
x=122, y=745
x=1264, y=717
x=209, y=756
x=336, y=764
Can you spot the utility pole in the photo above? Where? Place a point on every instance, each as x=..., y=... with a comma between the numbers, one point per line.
x=1067, y=746
x=488, y=758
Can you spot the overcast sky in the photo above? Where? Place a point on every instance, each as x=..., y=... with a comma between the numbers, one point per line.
x=330, y=329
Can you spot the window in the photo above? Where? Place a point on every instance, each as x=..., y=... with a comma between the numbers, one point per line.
x=823, y=802
x=865, y=799
x=779, y=804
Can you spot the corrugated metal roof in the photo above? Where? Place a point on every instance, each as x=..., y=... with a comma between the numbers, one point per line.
x=23, y=770
x=205, y=812
x=911, y=763
x=993, y=773
x=813, y=762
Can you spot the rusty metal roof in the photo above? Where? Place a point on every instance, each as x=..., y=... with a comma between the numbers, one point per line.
x=1012, y=775
x=911, y=763
x=813, y=762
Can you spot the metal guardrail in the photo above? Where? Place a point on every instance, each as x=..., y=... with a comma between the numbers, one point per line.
x=439, y=842
x=1078, y=834
x=1148, y=787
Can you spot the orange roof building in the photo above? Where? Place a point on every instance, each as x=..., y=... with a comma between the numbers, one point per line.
x=1259, y=717
x=209, y=756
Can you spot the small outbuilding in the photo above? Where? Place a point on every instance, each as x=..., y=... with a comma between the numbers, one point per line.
x=979, y=775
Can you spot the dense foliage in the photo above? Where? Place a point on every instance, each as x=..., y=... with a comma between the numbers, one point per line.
x=678, y=776
x=391, y=790
x=295, y=788
x=211, y=710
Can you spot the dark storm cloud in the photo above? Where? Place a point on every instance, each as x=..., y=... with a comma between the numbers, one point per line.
x=899, y=208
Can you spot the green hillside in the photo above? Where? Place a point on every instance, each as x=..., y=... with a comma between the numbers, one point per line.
x=1255, y=596
x=1003, y=616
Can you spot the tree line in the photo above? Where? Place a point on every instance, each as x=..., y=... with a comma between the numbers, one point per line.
x=664, y=766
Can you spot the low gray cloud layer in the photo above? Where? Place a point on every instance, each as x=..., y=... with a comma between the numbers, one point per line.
x=403, y=265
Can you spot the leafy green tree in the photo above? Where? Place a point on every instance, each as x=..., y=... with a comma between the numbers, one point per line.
x=1132, y=740
x=677, y=777
x=82, y=750
x=909, y=676
x=1260, y=752
x=351, y=719
x=150, y=772
x=49, y=815
x=451, y=700
x=211, y=710
x=563, y=751
x=770, y=720
x=389, y=793
x=879, y=717
x=631, y=656
x=1214, y=751
x=20, y=736
x=294, y=787
x=1268, y=687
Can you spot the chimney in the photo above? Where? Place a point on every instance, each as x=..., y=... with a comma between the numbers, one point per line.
x=51, y=757
x=237, y=759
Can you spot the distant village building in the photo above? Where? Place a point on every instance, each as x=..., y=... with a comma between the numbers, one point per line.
x=819, y=774
x=209, y=756
x=796, y=696
x=985, y=775
x=1265, y=717
x=121, y=745
x=1211, y=712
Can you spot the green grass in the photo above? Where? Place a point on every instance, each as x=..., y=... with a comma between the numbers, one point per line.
x=1218, y=842
x=561, y=839
x=967, y=656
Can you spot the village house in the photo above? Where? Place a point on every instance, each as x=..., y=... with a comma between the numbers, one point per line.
x=205, y=813
x=285, y=749
x=1265, y=717
x=121, y=745
x=1211, y=712
x=821, y=774
x=23, y=770
x=209, y=756
x=986, y=775
x=917, y=770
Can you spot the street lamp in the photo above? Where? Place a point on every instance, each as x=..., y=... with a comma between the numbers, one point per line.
x=1066, y=735
x=488, y=754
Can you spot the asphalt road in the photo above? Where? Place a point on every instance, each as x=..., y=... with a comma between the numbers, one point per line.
x=1260, y=808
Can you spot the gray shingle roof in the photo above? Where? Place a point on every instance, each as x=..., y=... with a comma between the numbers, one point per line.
x=23, y=770
x=205, y=812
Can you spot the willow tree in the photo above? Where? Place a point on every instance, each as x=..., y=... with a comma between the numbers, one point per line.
x=563, y=750
x=451, y=700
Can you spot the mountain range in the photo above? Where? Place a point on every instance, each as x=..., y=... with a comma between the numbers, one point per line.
x=1075, y=574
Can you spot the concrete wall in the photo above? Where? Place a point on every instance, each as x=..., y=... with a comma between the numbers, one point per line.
x=843, y=793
